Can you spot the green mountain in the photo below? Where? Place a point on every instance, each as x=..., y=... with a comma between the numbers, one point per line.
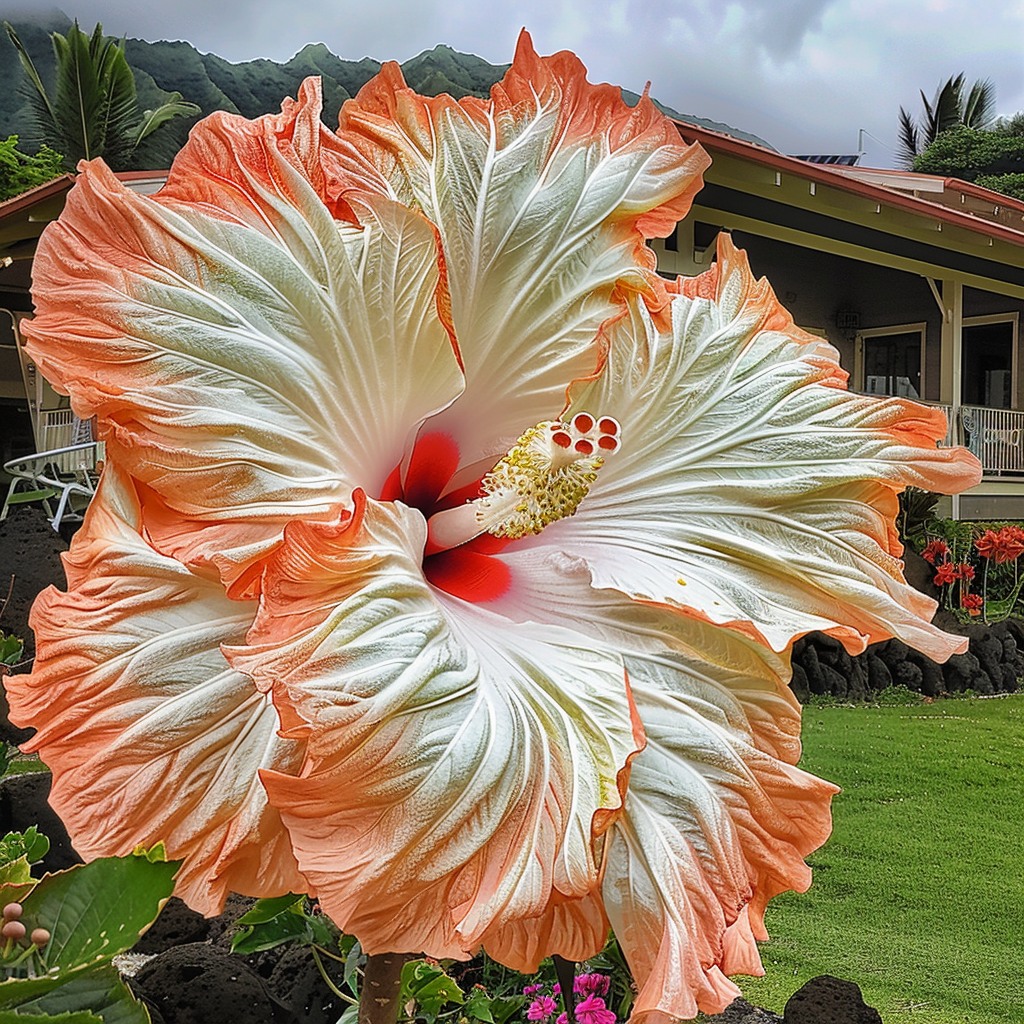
x=253, y=87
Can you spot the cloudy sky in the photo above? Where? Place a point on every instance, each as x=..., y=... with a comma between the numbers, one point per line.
x=806, y=75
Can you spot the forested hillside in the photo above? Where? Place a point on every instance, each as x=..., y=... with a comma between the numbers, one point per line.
x=250, y=88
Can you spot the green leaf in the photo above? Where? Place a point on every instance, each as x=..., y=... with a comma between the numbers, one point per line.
x=354, y=960
x=279, y=919
x=267, y=909
x=349, y=1016
x=155, y=854
x=16, y=872
x=284, y=928
x=478, y=1006
x=73, y=1017
x=16, y=881
x=10, y=649
x=154, y=119
x=31, y=845
x=22, y=991
x=94, y=911
x=503, y=1008
x=427, y=984
x=99, y=991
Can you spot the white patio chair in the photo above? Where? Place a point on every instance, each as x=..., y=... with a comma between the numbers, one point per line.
x=67, y=474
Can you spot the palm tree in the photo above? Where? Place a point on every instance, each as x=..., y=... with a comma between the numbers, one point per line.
x=93, y=109
x=950, y=107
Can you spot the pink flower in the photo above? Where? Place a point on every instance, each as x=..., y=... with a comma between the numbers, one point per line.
x=593, y=1011
x=532, y=990
x=542, y=1008
x=591, y=985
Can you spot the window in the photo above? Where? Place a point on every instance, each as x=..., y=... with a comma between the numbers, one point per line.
x=892, y=360
x=987, y=361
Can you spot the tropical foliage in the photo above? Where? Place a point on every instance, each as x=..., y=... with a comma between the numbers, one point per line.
x=977, y=567
x=954, y=104
x=447, y=559
x=20, y=171
x=92, y=109
x=60, y=932
x=993, y=159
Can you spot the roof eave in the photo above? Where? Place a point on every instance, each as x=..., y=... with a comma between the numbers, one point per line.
x=837, y=178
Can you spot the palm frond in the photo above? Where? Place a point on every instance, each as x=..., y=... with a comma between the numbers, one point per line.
x=947, y=108
x=174, y=107
x=93, y=109
x=32, y=88
x=979, y=108
x=121, y=105
x=79, y=102
x=29, y=66
x=908, y=139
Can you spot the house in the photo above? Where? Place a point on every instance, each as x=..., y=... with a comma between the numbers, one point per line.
x=918, y=281
x=26, y=399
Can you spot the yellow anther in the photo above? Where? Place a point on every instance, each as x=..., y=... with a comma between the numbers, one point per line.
x=542, y=478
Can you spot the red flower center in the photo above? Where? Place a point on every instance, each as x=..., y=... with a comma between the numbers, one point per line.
x=470, y=571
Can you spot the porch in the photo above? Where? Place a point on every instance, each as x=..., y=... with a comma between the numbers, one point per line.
x=996, y=437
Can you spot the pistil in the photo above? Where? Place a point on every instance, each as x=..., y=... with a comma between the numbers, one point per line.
x=543, y=477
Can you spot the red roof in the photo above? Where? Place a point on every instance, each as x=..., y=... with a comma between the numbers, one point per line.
x=853, y=180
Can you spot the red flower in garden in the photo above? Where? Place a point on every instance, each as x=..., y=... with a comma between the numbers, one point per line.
x=1004, y=545
x=934, y=551
x=972, y=603
x=946, y=573
x=964, y=571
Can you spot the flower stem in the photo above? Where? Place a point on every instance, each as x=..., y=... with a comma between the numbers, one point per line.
x=343, y=996
x=382, y=982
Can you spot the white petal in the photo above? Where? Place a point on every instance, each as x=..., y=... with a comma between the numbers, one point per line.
x=751, y=489
x=248, y=354
x=150, y=735
x=458, y=766
x=543, y=198
x=713, y=828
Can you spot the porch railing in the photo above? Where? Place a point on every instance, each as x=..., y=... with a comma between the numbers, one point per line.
x=996, y=437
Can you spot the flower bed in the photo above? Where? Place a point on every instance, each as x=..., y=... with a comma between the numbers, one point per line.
x=977, y=567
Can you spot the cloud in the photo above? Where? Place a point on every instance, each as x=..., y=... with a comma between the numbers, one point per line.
x=804, y=74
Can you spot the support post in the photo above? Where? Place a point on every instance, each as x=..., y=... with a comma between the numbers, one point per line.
x=951, y=302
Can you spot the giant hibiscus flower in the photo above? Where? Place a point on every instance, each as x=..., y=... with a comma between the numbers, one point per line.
x=447, y=559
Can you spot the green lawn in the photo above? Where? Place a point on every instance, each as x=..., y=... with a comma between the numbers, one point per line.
x=919, y=894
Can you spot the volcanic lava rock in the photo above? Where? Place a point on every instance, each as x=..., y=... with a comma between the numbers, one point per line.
x=828, y=1000
x=23, y=802
x=29, y=562
x=199, y=983
x=297, y=981
x=741, y=1012
x=176, y=925
x=994, y=663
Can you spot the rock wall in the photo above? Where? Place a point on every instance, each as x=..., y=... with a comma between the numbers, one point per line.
x=994, y=663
